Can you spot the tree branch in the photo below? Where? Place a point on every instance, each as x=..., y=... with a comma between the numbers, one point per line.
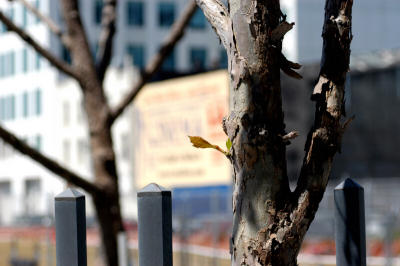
x=218, y=16
x=50, y=164
x=48, y=21
x=325, y=136
x=105, y=44
x=59, y=64
x=82, y=58
x=155, y=63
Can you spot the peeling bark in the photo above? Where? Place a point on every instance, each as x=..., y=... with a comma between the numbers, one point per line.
x=269, y=220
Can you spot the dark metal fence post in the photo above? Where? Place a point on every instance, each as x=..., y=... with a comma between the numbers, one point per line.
x=70, y=228
x=155, y=226
x=350, y=224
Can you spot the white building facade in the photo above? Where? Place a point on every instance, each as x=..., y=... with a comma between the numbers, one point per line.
x=44, y=107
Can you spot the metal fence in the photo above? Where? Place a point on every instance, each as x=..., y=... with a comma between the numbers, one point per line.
x=155, y=227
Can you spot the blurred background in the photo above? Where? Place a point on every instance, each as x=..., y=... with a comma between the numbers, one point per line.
x=189, y=96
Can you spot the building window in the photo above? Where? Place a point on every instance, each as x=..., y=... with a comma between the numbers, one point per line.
x=83, y=151
x=7, y=64
x=198, y=57
x=166, y=14
x=198, y=20
x=136, y=52
x=66, y=56
x=2, y=64
x=5, y=201
x=25, y=104
x=38, y=102
x=80, y=111
x=32, y=196
x=38, y=61
x=2, y=109
x=7, y=107
x=12, y=107
x=24, y=17
x=66, y=151
x=98, y=9
x=5, y=188
x=66, y=113
x=169, y=62
x=38, y=142
x=134, y=13
x=37, y=5
x=12, y=63
x=25, y=60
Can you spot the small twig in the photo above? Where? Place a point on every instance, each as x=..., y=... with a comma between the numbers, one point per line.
x=290, y=135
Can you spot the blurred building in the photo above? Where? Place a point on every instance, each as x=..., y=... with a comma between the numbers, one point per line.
x=370, y=144
x=43, y=106
x=374, y=25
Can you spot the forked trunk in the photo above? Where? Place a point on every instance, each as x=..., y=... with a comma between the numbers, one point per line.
x=270, y=221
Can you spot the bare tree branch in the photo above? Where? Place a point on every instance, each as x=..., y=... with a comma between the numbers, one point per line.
x=218, y=16
x=48, y=21
x=59, y=64
x=105, y=44
x=50, y=164
x=325, y=136
x=82, y=58
x=155, y=63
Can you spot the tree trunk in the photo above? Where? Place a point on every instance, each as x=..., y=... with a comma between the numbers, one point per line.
x=270, y=221
x=255, y=127
x=103, y=160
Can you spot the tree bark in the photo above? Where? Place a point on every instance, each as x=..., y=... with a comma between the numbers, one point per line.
x=270, y=221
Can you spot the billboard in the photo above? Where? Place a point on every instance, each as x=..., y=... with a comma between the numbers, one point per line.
x=165, y=114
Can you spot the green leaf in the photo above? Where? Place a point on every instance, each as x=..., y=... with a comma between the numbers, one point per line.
x=228, y=144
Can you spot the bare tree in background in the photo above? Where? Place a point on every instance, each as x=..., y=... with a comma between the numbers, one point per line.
x=270, y=220
x=89, y=72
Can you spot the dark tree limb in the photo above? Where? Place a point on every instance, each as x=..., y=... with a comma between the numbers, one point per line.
x=47, y=20
x=59, y=64
x=82, y=58
x=155, y=63
x=105, y=44
x=324, y=138
x=107, y=204
x=48, y=163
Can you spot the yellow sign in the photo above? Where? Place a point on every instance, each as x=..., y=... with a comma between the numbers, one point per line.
x=166, y=114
